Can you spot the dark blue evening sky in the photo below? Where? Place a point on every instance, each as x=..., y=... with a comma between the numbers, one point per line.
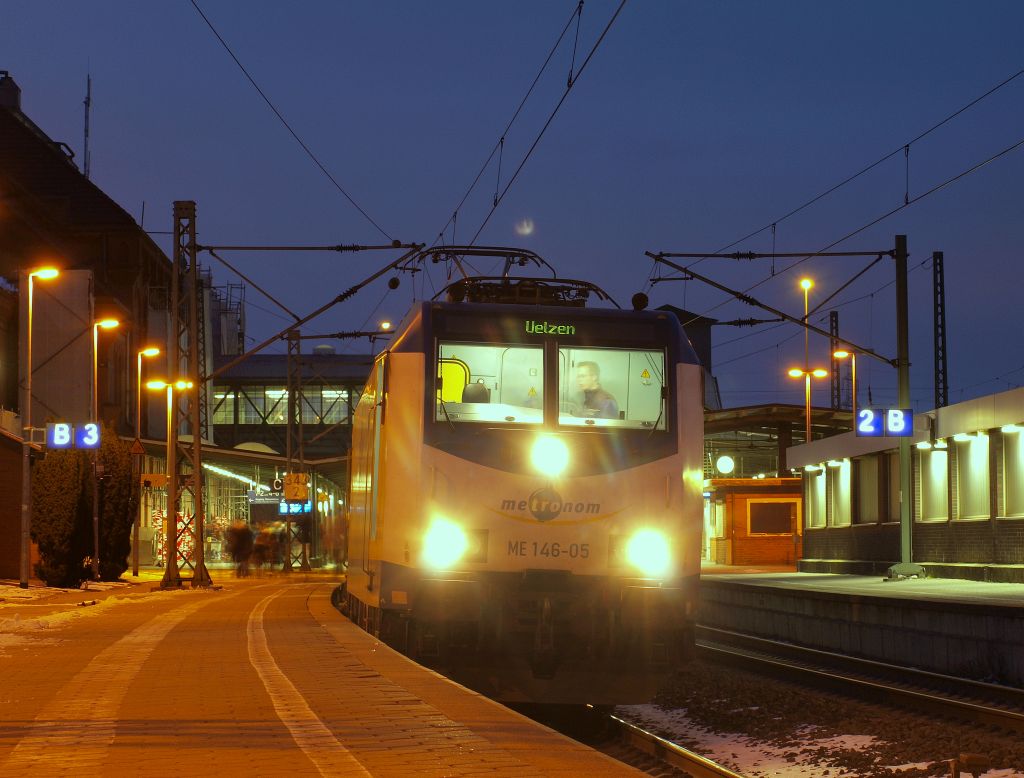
x=694, y=124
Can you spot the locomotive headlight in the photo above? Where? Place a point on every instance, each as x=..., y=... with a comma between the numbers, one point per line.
x=648, y=551
x=444, y=544
x=549, y=455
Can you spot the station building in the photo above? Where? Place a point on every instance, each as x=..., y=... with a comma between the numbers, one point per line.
x=52, y=214
x=967, y=505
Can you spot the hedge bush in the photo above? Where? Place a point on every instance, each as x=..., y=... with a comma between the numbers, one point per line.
x=62, y=494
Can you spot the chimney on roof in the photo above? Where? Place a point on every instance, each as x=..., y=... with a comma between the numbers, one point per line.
x=10, y=92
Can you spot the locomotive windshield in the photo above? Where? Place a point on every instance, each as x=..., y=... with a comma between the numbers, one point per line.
x=611, y=388
x=492, y=383
x=504, y=383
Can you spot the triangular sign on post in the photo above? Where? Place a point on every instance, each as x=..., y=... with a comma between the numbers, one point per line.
x=138, y=448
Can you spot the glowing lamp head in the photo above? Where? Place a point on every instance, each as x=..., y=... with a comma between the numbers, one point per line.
x=648, y=551
x=45, y=273
x=841, y=353
x=150, y=351
x=819, y=372
x=444, y=544
x=725, y=464
x=795, y=372
x=181, y=384
x=107, y=324
x=806, y=283
x=549, y=455
x=385, y=325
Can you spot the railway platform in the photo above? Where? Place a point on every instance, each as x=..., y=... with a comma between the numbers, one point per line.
x=968, y=629
x=256, y=677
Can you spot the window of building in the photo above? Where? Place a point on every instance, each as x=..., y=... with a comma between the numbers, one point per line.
x=814, y=485
x=224, y=406
x=972, y=476
x=868, y=486
x=1013, y=473
x=276, y=404
x=837, y=481
x=251, y=405
x=933, y=469
x=335, y=408
x=772, y=516
x=311, y=405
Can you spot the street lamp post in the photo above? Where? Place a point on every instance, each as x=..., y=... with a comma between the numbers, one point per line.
x=806, y=284
x=171, y=542
x=26, y=434
x=843, y=354
x=807, y=375
x=150, y=351
x=102, y=324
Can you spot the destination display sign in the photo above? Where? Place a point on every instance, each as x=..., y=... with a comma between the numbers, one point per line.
x=486, y=325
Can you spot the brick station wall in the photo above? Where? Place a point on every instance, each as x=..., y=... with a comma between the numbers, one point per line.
x=871, y=542
x=10, y=508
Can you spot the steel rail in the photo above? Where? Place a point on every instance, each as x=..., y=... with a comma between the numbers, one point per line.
x=681, y=758
x=792, y=666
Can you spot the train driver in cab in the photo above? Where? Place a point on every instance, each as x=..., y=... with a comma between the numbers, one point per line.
x=597, y=402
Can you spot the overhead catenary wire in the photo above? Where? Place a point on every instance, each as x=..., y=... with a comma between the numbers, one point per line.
x=499, y=146
x=551, y=118
x=834, y=307
x=288, y=126
x=252, y=283
x=913, y=200
x=867, y=168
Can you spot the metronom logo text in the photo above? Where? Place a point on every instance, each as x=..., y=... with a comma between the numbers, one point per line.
x=546, y=504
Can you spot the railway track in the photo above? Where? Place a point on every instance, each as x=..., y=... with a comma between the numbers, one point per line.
x=676, y=758
x=625, y=741
x=964, y=700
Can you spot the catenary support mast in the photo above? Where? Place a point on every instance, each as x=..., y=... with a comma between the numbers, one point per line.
x=184, y=466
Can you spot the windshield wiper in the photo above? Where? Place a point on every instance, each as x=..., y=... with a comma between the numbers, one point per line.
x=449, y=418
x=657, y=421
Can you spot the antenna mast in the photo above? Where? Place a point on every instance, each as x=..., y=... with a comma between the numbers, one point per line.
x=88, y=104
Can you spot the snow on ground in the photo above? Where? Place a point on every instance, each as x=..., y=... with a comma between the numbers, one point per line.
x=763, y=727
x=29, y=616
x=744, y=754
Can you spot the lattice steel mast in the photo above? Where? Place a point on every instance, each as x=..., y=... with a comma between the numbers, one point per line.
x=941, y=369
x=185, y=408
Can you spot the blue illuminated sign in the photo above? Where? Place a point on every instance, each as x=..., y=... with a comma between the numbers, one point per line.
x=64, y=435
x=87, y=436
x=885, y=422
x=60, y=436
x=295, y=507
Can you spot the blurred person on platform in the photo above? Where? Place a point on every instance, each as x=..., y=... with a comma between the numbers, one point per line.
x=240, y=546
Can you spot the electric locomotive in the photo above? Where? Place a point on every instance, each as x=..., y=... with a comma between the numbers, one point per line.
x=524, y=507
